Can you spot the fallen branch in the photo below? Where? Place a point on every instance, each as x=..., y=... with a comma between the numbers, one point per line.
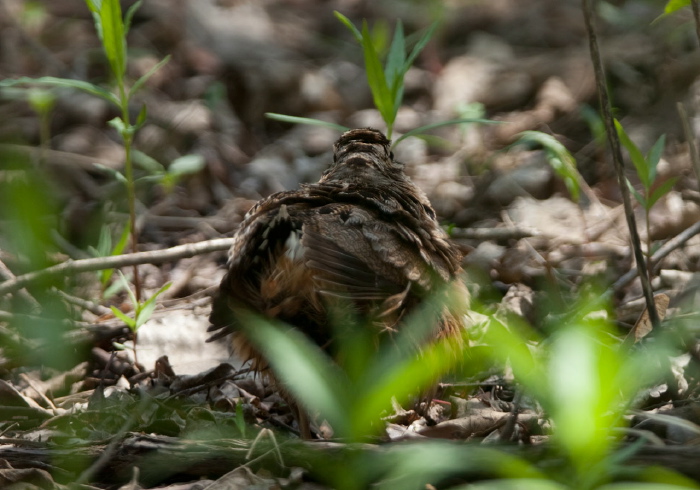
x=101, y=263
x=668, y=247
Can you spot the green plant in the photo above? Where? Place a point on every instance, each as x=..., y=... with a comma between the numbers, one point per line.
x=386, y=81
x=652, y=188
x=354, y=389
x=105, y=248
x=562, y=162
x=112, y=30
x=583, y=377
x=142, y=309
x=43, y=102
x=170, y=176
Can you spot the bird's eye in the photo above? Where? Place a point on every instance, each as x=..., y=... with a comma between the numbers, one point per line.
x=391, y=155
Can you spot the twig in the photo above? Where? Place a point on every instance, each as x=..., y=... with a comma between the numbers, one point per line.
x=509, y=233
x=7, y=275
x=90, y=306
x=100, y=263
x=617, y=161
x=662, y=252
x=688, y=133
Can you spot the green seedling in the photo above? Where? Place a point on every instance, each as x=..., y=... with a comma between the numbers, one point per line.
x=105, y=248
x=385, y=80
x=142, y=311
x=112, y=30
x=646, y=168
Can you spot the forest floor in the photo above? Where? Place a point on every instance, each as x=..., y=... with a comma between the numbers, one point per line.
x=532, y=249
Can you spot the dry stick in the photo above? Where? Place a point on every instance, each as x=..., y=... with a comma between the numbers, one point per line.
x=688, y=133
x=662, y=252
x=100, y=263
x=617, y=160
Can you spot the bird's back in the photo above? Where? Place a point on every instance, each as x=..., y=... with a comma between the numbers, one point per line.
x=364, y=237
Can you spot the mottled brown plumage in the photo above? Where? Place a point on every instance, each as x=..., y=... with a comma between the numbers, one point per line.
x=364, y=235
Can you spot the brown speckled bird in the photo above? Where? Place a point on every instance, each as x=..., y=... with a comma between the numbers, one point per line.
x=364, y=235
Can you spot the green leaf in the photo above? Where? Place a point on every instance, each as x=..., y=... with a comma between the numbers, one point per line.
x=310, y=375
x=126, y=319
x=661, y=191
x=187, y=164
x=41, y=100
x=131, y=294
x=595, y=124
x=562, y=162
x=130, y=15
x=640, y=163
x=428, y=127
x=654, y=156
x=148, y=163
x=141, y=118
x=119, y=124
x=394, y=68
x=422, y=42
x=141, y=81
x=348, y=23
x=381, y=93
x=117, y=250
x=146, y=309
x=673, y=5
x=305, y=120
x=118, y=176
x=66, y=83
x=113, y=36
x=640, y=198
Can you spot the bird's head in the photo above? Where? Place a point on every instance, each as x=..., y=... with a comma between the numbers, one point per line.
x=363, y=155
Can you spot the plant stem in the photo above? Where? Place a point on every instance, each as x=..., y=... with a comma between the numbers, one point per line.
x=127, y=135
x=614, y=142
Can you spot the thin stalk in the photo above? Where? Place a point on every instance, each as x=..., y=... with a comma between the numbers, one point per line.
x=614, y=142
x=127, y=136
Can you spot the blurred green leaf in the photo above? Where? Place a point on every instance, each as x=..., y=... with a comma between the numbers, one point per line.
x=141, y=81
x=120, y=246
x=41, y=100
x=422, y=42
x=661, y=191
x=674, y=5
x=428, y=127
x=130, y=322
x=638, y=197
x=562, y=162
x=640, y=163
x=66, y=83
x=145, y=310
x=130, y=15
x=654, y=156
x=397, y=54
x=381, y=94
x=303, y=368
x=110, y=28
x=118, y=176
x=148, y=163
x=186, y=164
x=348, y=23
x=305, y=120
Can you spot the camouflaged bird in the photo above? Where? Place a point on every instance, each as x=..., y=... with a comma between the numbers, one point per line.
x=364, y=236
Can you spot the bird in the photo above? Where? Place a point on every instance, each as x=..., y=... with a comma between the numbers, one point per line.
x=364, y=237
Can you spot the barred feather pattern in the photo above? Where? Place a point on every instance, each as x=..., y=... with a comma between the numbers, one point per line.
x=364, y=235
